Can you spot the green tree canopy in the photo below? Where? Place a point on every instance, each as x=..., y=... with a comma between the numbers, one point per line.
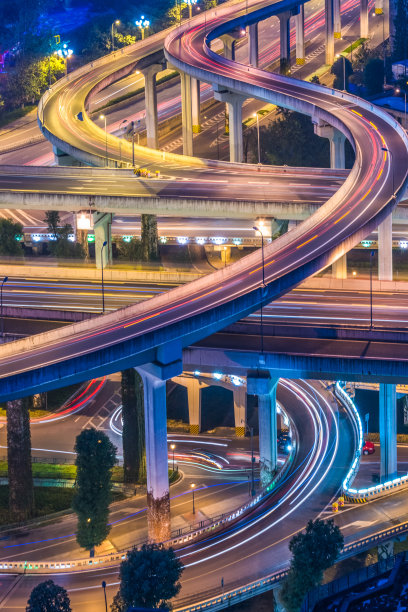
x=400, y=39
x=313, y=551
x=10, y=232
x=96, y=456
x=48, y=597
x=62, y=246
x=149, y=578
x=342, y=70
x=373, y=75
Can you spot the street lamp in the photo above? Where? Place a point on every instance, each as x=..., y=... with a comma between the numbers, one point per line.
x=392, y=168
x=117, y=22
x=251, y=432
x=259, y=142
x=381, y=14
x=192, y=489
x=405, y=105
x=65, y=52
x=106, y=139
x=263, y=284
x=142, y=24
x=173, y=446
x=104, y=592
x=103, y=289
x=190, y=7
x=5, y=279
x=344, y=69
x=120, y=141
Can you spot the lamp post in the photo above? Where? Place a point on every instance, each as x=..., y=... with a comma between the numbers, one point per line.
x=5, y=279
x=173, y=446
x=120, y=141
x=257, y=131
x=251, y=433
x=142, y=24
x=106, y=139
x=117, y=22
x=344, y=69
x=192, y=489
x=371, y=289
x=103, y=289
x=383, y=43
x=65, y=52
x=263, y=284
x=104, y=592
x=190, y=7
x=392, y=168
x=405, y=105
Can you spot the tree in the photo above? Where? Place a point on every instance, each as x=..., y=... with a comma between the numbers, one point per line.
x=400, y=39
x=313, y=551
x=10, y=232
x=133, y=434
x=342, y=70
x=315, y=79
x=62, y=246
x=96, y=456
x=48, y=597
x=373, y=76
x=149, y=577
x=20, y=477
x=150, y=239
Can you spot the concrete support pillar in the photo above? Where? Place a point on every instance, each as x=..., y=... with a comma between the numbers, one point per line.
x=260, y=383
x=240, y=410
x=152, y=124
x=339, y=268
x=385, y=249
x=363, y=18
x=300, y=35
x=154, y=376
x=382, y=7
x=284, y=22
x=329, y=17
x=229, y=46
x=195, y=105
x=194, y=404
x=102, y=223
x=388, y=431
x=337, y=144
x=186, y=114
x=234, y=102
x=63, y=159
x=253, y=44
x=337, y=19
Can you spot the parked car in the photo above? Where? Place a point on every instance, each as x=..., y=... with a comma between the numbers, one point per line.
x=368, y=448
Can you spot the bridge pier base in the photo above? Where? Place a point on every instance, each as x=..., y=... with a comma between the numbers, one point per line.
x=240, y=415
x=364, y=19
x=385, y=249
x=63, y=159
x=186, y=113
x=234, y=102
x=329, y=23
x=300, y=35
x=339, y=267
x=195, y=104
x=253, y=44
x=337, y=144
x=102, y=223
x=260, y=383
x=388, y=431
x=154, y=377
x=152, y=129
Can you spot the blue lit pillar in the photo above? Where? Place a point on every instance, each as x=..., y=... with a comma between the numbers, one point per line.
x=388, y=431
x=260, y=383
